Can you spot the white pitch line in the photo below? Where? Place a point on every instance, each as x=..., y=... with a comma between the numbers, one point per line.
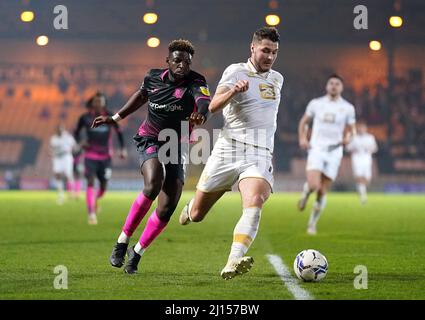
x=289, y=281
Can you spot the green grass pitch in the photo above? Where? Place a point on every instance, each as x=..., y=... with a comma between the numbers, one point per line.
x=387, y=236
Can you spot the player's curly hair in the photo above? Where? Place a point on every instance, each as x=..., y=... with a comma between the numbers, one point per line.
x=89, y=102
x=181, y=45
x=270, y=33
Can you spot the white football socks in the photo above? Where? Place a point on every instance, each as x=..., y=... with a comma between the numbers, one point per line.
x=362, y=189
x=138, y=249
x=318, y=207
x=306, y=190
x=245, y=231
x=123, y=238
x=60, y=187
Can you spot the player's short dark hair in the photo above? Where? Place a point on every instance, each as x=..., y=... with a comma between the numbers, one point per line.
x=98, y=94
x=181, y=45
x=270, y=33
x=335, y=76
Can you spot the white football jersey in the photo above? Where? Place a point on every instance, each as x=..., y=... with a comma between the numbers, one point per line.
x=62, y=145
x=250, y=117
x=329, y=120
x=362, y=146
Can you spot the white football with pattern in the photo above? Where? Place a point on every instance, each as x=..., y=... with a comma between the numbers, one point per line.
x=310, y=265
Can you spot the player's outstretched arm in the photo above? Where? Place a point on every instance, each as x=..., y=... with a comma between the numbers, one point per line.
x=137, y=100
x=223, y=95
x=201, y=96
x=302, y=132
x=120, y=136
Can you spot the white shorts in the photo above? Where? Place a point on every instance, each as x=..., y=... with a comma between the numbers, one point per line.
x=232, y=161
x=327, y=162
x=362, y=169
x=63, y=165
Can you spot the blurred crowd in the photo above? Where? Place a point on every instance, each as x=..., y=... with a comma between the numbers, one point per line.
x=397, y=119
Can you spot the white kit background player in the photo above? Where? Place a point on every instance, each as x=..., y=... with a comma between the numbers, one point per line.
x=62, y=144
x=333, y=126
x=249, y=94
x=362, y=147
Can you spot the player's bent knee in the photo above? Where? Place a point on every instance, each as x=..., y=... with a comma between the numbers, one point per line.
x=164, y=214
x=103, y=184
x=322, y=191
x=166, y=210
x=90, y=182
x=256, y=200
x=152, y=189
x=314, y=186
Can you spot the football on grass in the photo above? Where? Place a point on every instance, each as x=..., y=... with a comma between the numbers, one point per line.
x=310, y=265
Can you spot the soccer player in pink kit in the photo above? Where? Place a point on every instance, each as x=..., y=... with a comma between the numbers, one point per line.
x=174, y=95
x=98, y=152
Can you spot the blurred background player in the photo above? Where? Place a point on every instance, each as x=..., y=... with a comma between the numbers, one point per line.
x=78, y=154
x=174, y=95
x=97, y=151
x=362, y=146
x=333, y=126
x=62, y=144
x=249, y=94
x=78, y=170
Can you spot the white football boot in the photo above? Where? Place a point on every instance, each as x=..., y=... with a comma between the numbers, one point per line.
x=312, y=230
x=92, y=219
x=235, y=267
x=184, y=216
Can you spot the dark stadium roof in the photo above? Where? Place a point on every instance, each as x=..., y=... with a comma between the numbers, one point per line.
x=213, y=20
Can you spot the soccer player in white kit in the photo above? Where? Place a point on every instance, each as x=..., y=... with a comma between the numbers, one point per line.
x=249, y=94
x=333, y=126
x=362, y=147
x=62, y=144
